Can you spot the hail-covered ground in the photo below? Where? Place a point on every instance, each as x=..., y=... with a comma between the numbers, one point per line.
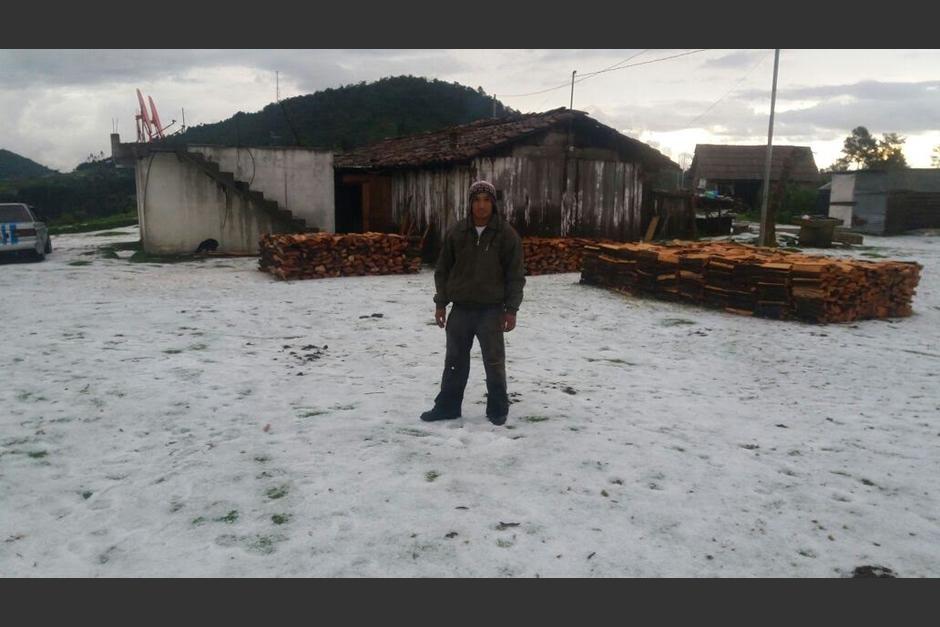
x=203, y=419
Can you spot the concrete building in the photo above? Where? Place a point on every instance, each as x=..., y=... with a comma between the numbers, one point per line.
x=231, y=194
x=886, y=202
x=558, y=173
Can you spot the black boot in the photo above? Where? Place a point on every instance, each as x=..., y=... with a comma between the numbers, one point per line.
x=497, y=419
x=497, y=412
x=439, y=413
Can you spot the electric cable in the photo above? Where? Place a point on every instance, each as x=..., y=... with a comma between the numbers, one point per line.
x=608, y=69
x=733, y=87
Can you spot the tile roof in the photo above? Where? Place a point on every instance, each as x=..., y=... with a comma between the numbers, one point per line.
x=716, y=161
x=465, y=142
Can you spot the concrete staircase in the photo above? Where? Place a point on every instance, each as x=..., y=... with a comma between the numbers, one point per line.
x=241, y=188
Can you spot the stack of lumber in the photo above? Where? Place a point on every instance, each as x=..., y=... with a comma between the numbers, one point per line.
x=320, y=255
x=755, y=281
x=551, y=255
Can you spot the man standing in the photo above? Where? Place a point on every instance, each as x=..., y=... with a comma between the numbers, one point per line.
x=481, y=271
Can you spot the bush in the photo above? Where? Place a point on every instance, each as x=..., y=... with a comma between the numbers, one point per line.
x=796, y=202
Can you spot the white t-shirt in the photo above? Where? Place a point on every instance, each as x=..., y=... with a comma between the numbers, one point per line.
x=480, y=230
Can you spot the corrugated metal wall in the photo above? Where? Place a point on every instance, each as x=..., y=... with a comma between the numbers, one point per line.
x=600, y=199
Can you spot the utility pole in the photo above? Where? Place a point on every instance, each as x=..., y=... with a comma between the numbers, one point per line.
x=277, y=86
x=768, y=235
x=571, y=104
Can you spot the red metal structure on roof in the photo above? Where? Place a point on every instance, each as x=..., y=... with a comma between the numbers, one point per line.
x=149, y=126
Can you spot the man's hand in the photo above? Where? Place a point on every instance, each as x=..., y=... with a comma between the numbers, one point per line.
x=440, y=316
x=509, y=321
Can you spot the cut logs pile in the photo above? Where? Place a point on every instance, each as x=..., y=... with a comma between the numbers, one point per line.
x=550, y=255
x=756, y=281
x=321, y=255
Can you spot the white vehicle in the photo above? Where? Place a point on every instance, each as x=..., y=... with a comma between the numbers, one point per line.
x=22, y=232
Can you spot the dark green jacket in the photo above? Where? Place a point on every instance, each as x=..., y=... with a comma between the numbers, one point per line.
x=484, y=270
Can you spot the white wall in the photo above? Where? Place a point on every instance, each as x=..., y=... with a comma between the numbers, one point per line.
x=842, y=191
x=299, y=179
x=843, y=188
x=179, y=206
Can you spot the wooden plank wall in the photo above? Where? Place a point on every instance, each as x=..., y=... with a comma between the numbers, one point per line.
x=592, y=199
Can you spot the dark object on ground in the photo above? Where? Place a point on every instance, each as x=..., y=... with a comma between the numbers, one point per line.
x=208, y=246
x=714, y=225
x=842, y=234
x=439, y=414
x=498, y=420
x=873, y=572
x=817, y=231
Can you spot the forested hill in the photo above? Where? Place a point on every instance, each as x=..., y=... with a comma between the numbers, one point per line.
x=14, y=166
x=351, y=116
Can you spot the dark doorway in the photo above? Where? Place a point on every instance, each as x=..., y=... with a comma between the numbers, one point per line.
x=349, y=208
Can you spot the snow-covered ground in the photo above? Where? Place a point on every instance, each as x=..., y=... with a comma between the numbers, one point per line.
x=203, y=419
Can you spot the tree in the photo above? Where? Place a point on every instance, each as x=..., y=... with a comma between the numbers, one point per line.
x=890, y=153
x=935, y=159
x=860, y=148
x=865, y=151
x=839, y=165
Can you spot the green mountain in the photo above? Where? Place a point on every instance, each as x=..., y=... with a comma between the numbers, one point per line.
x=351, y=116
x=94, y=189
x=14, y=166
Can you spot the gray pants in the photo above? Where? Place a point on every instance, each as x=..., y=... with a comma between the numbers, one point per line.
x=463, y=324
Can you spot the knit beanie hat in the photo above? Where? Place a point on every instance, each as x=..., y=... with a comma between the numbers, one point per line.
x=483, y=187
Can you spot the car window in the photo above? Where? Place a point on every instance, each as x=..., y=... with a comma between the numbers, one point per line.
x=14, y=213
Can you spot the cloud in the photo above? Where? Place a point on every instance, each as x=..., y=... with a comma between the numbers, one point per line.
x=862, y=90
x=741, y=59
x=56, y=106
x=30, y=68
x=824, y=112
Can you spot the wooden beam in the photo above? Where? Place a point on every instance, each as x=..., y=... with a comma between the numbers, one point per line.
x=366, y=207
x=651, y=229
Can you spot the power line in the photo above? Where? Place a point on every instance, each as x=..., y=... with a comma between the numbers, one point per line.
x=534, y=93
x=613, y=69
x=733, y=87
x=608, y=69
x=630, y=58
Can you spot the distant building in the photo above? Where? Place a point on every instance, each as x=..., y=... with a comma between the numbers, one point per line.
x=187, y=194
x=558, y=173
x=738, y=171
x=886, y=202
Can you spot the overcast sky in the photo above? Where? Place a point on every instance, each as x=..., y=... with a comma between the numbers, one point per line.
x=58, y=106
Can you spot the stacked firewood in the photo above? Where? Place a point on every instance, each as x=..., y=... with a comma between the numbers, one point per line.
x=756, y=281
x=550, y=255
x=320, y=255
